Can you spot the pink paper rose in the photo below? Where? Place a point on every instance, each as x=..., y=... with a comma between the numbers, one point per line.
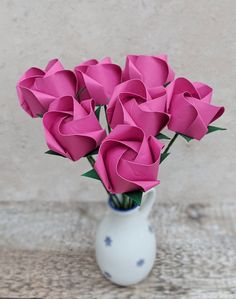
x=38, y=88
x=190, y=108
x=71, y=128
x=128, y=160
x=154, y=71
x=132, y=104
x=97, y=80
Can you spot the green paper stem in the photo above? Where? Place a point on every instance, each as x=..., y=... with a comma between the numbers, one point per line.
x=108, y=126
x=115, y=199
x=125, y=202
x=170, y=143
x=166, y=153
x=97, y=112
x=130, y=203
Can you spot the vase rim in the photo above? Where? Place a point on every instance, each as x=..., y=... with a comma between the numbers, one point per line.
x=120, y=211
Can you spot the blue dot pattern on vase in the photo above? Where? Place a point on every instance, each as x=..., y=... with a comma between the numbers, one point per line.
x=140, y=263
x=108, y=241
x=107, y=274
x=150, y=229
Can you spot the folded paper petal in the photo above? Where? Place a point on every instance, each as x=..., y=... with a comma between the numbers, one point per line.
x=37, y=102
x=128, y=160
x=98, y=79
x=154, y=71
x=53, y=66
x=60, y=84
x=205, y=92
x=189, y=105
x=131, y=104
x=71, y=128
x=37, y=88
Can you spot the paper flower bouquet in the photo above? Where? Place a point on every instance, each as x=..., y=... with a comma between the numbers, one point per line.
x=138, y=102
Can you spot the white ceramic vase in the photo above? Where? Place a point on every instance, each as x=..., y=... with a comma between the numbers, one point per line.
x=126, y=243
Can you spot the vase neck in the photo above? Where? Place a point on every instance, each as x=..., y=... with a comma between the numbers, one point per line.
x=143, y=210
x=122, y=212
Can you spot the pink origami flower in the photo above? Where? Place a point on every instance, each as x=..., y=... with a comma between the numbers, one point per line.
x=38, y=88
x=128, y=160
x=71, y=128
x=97, y=80
x=132, y=104
x=154, y=71
x=190, y=108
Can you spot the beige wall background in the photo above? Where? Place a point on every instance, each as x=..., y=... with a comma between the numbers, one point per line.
x=200, y=39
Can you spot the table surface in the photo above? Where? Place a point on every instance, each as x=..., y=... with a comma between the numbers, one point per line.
x=47, y=251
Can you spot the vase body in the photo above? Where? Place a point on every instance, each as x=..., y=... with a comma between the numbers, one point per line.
x=126, y=244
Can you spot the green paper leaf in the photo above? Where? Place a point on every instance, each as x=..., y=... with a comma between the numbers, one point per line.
x=94, y=152
x=162, y=136
x=163, y=157
x=188, y=139
x=136, y=196
x=97, y=112
x=40, y=115
x=91, y=174
x=50, y=152
x=214, y=129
